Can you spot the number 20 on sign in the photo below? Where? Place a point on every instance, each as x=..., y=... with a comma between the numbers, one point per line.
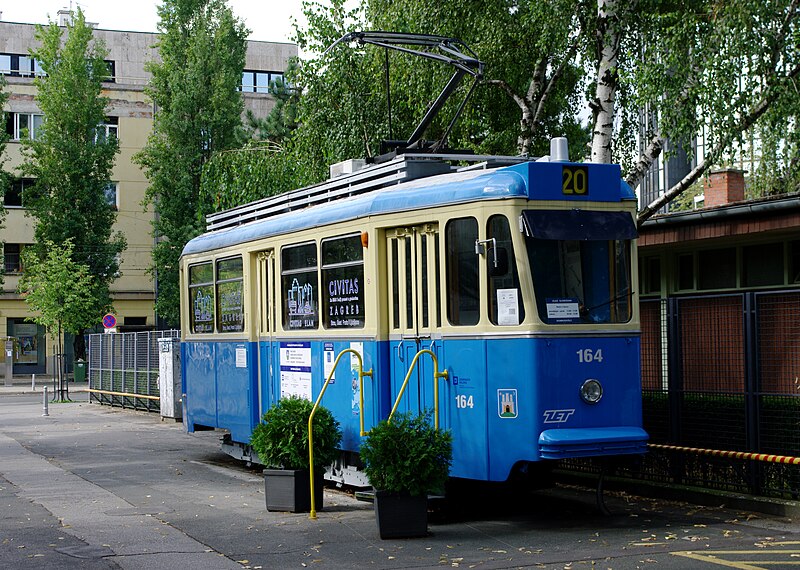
x=575, y=180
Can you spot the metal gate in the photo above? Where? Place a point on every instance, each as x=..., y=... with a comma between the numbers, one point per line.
x=123, y=369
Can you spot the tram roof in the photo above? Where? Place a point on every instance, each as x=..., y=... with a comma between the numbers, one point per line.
x=532, y=180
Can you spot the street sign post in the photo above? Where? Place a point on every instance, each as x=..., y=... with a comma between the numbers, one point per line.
x=109, y=323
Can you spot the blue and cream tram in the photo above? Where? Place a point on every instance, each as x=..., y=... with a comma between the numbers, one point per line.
x=519, y=278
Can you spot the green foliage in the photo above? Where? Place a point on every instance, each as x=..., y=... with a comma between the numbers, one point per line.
x=730, y=67
x=71, y=160
x=525, y=45
x=257, y=170
x=407, y=455
x=685, y=201
x=337, y=107
x=58, y=289
x=194, y=86
x=281, y=439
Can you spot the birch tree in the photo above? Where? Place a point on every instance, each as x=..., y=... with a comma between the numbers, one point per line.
x=723, y=65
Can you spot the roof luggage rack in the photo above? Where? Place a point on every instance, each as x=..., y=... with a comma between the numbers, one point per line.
x=403, y=168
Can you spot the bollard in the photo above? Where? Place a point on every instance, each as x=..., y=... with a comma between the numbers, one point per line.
x=44, y=402
x=33, y=382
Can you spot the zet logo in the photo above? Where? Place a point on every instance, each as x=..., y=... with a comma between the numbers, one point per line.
x=557, y=416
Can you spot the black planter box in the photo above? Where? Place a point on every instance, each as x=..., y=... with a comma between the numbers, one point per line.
x=288, y=490
x=400, y=515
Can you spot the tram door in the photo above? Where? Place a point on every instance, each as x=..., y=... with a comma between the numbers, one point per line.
x=265, y=285
x=415, y=284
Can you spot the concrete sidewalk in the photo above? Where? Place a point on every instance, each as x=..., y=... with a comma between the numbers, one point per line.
x=35, y=384
x=98, y=487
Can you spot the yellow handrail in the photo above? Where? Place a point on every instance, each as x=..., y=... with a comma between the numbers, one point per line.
x=436, y=376
x=361, y=374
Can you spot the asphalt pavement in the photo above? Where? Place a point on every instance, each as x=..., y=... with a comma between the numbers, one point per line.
x=91, y=486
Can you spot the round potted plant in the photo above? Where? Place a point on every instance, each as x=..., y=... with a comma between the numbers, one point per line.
x=405, y=459
x=281, y=442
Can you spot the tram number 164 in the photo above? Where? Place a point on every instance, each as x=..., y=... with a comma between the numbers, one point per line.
x=586, y=355
x=464, y=401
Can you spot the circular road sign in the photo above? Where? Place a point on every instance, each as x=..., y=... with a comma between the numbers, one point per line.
x=109, y=321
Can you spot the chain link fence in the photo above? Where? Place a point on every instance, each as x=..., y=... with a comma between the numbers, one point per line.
x=123, y=369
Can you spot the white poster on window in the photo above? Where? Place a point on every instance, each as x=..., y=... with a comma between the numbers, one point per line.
x=295, y=366
x=563, y=311
x=328, y=359
x=241, y=357
x=507, y=307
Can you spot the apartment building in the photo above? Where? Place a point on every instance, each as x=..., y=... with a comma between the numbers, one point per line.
x=130, y=116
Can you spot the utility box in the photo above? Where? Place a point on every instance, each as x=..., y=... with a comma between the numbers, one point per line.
x=169, y=377
x=9, y=362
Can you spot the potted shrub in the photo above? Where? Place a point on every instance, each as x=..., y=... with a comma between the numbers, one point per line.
x=405, y=459
x=281, y=442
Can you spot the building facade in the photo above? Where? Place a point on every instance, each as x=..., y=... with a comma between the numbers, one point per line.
x=130, y=118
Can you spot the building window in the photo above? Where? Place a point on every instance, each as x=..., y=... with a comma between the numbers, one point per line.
x=23, y=125
x=343, y=282
x=650, y=275
x=12, y=259
x=686, y=272
x=201, y=298
x=230, y=295
x=259, y=81
x=794, y=262
x=108, y=128
x=762, y=265
x=716, y=269
x=299, y=281
x=111, y=194
x=18, y=65
x=112, y=71
x=15, y=194
x=463, y=307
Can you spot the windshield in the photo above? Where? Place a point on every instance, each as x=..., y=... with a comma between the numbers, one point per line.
x=587, y=281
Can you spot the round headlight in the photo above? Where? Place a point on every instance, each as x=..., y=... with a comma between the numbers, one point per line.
x=591, y=391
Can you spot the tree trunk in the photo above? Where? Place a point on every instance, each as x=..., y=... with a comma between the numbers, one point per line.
x=646, y=160
x=609, y=35
x=79, y=345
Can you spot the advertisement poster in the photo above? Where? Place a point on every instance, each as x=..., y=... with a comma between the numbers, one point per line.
x=302, y=304
x=359, y=348
x=231, y=311
x=203, y=309
x=27, y=343
x=295, y=366
x=345, y=299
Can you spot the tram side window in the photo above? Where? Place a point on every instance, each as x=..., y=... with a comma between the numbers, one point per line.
x=230, y=295
x=463, y=288
x=505, y=301
x=343, y=282
x=201, y=298
x=299, y=282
